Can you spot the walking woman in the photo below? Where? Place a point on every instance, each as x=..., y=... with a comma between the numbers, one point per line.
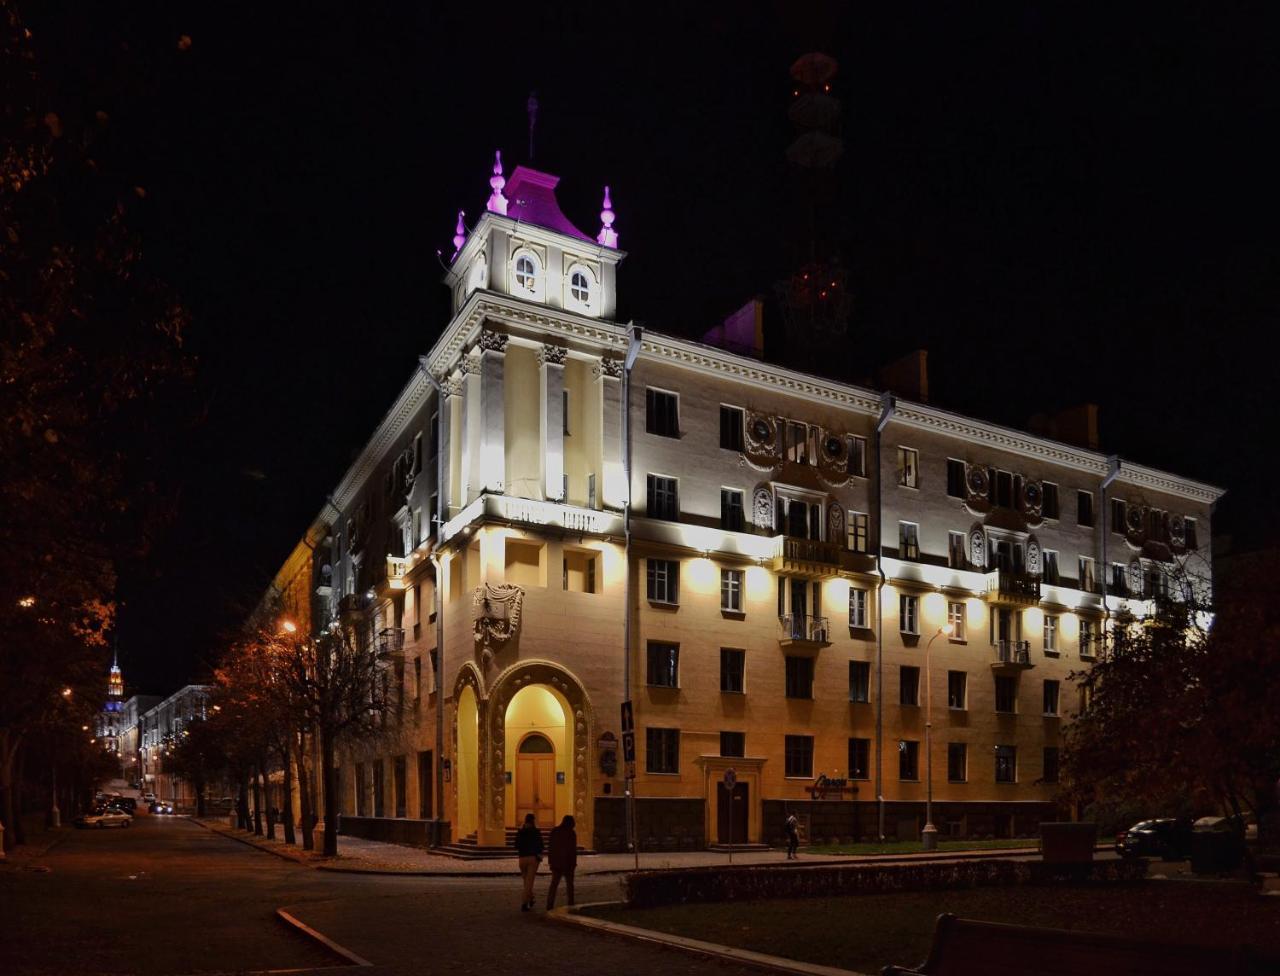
x=529, y=849
x=562, y=858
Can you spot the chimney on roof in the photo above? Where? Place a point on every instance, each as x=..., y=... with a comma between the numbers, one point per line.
x=908, y=377
x=1076, y=425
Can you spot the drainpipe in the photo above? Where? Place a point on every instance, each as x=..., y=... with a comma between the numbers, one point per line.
x=633, y=353
x=1113, y=472
x=888, y=406
x=438, y=600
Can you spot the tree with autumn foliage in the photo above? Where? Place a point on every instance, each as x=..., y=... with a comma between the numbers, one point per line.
x=91, y=367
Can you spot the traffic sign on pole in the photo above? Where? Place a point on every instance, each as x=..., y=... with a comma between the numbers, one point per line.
x=628, y=717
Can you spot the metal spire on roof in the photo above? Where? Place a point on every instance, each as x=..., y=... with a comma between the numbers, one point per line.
x=459, y=234
x=607, y=236
x=497, y=202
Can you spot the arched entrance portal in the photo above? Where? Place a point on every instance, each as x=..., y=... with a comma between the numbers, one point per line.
x=536, y=725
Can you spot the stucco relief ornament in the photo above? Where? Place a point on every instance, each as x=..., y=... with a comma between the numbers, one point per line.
x=762, y=448
x=1033, y=556
x=1178, y=530
x=497, y=616
x=977, y=546
x=762, y=508
x=1135, y=576
x=835, y=519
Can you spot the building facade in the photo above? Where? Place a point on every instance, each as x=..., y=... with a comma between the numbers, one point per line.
x=811, y=570
x=159, y=730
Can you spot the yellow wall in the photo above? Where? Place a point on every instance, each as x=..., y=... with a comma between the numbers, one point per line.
x=466, y=770
x=538, y=708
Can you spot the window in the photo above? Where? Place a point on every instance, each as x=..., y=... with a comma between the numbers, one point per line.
x=663, y=581
x=955, y=479
x=799, y=677
x=1088, y=582
x=731, y=590
x=732, y=516
x=858, y=457
x=956, y=620
x=1084, y=508
x=527, y=271
x=1050, y=697
x=909, y=614
x=661, y=498
x=957, y=689
x=957, y=762
x=799, y=756
x=579, y=571
x=1119, y=579
x=732, y=665
x=360, y=794
x=661, y=413
x=664, y=665
x=908, y=540
x=859, y=681
x=957, y=551
x=858, y=527
x=731, y=427
x=1189, y=534
x=1003, y=482
x=908, y=467
x=1088, y=638
x=1050, y=570
x=1051, y=633
x=1049, y=500
x=1006, y=764
x=857, y=608
x=662, y=750
x=1117, y=515
x=580, y=287
x=908, y=759
x=1086, y=698
x=801, y=445
x=379, y=789
x=398, y=784
x=859, y=758
x=733, y=744
x=908, y=685
x=1006, y=693
x=564, y=412
x=1050, y=764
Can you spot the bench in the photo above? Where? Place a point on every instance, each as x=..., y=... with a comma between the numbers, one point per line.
x=963, y=946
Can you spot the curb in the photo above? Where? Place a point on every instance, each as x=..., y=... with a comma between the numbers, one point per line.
x=566, y=915
x=284, y=855
x=346, y=955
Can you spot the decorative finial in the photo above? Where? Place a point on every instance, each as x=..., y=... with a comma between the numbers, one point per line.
x=497, y=202
x=459, y=234
x=607, y=236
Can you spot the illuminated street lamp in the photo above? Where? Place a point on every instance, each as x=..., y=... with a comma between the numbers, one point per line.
x=27, y=602
x=929, y=836
x=66, y=692
x=288, y=626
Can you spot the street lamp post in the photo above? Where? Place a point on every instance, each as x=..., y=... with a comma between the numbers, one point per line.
x=929, y=836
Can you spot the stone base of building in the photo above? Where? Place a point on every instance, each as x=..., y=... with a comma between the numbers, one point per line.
x=392, y=830
x=848, y=821
x=662, y=824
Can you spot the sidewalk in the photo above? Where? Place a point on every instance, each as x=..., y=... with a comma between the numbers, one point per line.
x=359, y=856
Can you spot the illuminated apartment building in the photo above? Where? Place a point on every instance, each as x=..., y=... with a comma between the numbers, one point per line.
x=796, y=544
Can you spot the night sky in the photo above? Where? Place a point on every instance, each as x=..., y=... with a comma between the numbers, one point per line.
x=1062, y=206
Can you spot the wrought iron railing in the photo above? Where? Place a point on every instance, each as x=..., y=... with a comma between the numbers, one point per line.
x=1013, y=652
x=805, y=627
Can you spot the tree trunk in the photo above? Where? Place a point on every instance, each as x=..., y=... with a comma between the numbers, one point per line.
x=257, y=801
x=330, y=786
x=19, y=774
x=7, y=750
x=266, y=796
x=290, y=837
x=304, y=793
x=200, y=787
x=242, y=804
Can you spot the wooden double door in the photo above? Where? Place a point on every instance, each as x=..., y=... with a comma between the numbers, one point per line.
x=731, y=814
x=536, y=780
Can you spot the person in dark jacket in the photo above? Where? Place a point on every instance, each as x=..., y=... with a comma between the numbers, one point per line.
x=529, y=850
x=792, y=826
x=562, y=858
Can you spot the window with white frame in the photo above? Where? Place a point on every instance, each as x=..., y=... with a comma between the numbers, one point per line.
x=1049, y=570
x=731, y=590
x=528, y=274
x=909, y=614
x=662, y=499
x=957, y=551
x=731, y=428
x=857, y=608
x=1006, y=764
x=582, y=289
x=1051, y=632
x=859, y=531
x=662, y=583
x=908, y=540
x=661, y=413
x=956, y=619
x=908, y=467
x=1085, y=571
x=1088, y=638
x=1050, y=697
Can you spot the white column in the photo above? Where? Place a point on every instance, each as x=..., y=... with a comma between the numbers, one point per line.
x=449, y=390
x=493, y=447
x=609, y=376
x=472, y=425
x=551, y=361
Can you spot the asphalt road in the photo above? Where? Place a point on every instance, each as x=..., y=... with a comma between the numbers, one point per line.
x=167, y=896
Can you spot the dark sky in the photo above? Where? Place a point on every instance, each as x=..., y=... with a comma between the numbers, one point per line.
x=1061, y=205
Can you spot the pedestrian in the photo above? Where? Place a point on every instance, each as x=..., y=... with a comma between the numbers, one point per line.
x=793, y=836
x=529, y=850
x=562, y=858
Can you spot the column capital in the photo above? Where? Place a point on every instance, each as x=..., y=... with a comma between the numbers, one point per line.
x=611, y=368
x=549, y=355
x=469, y=365
x=491, y=341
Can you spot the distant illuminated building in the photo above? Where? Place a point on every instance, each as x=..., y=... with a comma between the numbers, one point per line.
x=110, y=722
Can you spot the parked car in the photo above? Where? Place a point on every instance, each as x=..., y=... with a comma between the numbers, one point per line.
x=107, y=817
x=149, y=797
x=127, y=804
x=158, y=806
x=1166, y=837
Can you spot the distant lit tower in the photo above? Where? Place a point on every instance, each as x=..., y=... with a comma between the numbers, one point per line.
x=814, y=298
x=109, y=723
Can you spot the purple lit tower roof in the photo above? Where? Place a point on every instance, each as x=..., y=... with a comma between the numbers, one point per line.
x=532, y=199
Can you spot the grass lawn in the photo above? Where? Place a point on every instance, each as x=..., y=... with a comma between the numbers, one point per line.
x=865, y=932
x=914, y=846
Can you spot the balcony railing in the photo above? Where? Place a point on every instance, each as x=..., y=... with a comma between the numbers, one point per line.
x=1017, y=653
x=805, y=627
x=807, y=557
x=397, y=570
x=1011, y=586
x=389, y=642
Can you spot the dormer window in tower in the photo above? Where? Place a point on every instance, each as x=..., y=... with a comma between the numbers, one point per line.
x=527, y=274
x=581, y=295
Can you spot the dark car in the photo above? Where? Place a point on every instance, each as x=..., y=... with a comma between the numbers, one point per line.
x=1166, y=837
x=125, y=803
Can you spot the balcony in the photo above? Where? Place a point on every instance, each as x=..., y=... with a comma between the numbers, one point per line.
x=397, y=570
x=1007, y=586
x=803, y=631
x=810, y=558
x=389, y=642
x=1012, y=657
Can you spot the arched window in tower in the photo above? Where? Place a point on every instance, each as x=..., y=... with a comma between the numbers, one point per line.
x=528, y=274
x=582, y=289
